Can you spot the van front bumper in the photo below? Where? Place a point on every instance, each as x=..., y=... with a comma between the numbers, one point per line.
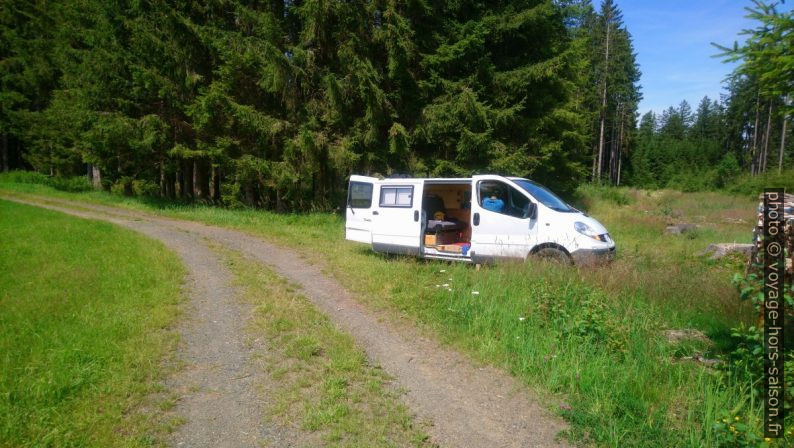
x=589, y=256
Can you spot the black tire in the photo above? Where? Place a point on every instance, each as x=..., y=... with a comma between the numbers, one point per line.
x=553, y=255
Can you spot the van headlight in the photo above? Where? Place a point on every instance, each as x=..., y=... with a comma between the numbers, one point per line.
x=585, y=230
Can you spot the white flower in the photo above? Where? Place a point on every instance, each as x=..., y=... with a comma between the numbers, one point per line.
x=443, y=270
x=521, y=318
x=476, y=293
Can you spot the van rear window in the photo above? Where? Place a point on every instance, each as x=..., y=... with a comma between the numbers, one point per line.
x=359, y=195
x=396, y=196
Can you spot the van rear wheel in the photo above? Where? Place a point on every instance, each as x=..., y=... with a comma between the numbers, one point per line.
x=553, y=255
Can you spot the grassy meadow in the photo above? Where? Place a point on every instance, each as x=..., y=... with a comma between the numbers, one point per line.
x=83, y=330
x=591, y=337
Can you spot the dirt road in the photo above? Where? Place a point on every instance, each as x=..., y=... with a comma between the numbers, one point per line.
x=467, y=406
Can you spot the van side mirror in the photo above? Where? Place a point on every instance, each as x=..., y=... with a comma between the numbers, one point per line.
x=532, y=211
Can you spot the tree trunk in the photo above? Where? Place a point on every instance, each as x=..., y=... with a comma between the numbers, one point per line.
x=201, y=181
x=196, y=179
x=4, y=143
x=170, y=181
x=603, y=104
x=187, y=168
x=163, y=181
x=601, y=140
x=180, y=181
x=4, y=153
x=620, y=150
x=782, y=146
x=754, y=151
x=216, y=184
x=611, y=160
x=250, y=197
x=206, y=174
x=323, y=177
x=766, y=137
x=96, y=177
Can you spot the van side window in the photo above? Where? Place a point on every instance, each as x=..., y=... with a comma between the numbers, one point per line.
x=396, y=196
x=502, y=198
x=360, y=195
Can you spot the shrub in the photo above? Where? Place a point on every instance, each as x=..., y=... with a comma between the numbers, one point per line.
x=145, y=188
x=728, y=168
x=26, y=177
x=754, y=185
x=587, y=193
x=73, y=184
x=230, y=195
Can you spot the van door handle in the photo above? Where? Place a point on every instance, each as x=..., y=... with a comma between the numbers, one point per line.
x=375, y=212
x=476, y=219
x=416, y=215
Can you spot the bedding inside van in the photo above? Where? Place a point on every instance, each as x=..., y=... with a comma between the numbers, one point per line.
x=447, y=209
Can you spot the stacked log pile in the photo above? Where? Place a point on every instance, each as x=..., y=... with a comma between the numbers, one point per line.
x=756, y=256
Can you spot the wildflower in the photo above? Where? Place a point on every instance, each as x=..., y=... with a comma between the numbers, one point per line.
x=521, y=318
x=476, y=293
x=737, y=418
x=443, y=270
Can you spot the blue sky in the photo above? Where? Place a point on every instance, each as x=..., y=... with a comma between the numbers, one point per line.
x=673, y=38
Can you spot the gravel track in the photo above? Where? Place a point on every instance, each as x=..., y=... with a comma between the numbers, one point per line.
x=466, y=405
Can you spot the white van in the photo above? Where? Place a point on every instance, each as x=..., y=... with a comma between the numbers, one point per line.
x=478, y=219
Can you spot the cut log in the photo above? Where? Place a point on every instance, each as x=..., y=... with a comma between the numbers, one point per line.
x=677, y=336
x=722, y=249
x=678, y=229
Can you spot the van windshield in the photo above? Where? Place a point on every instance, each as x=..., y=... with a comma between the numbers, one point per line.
x=545, y=196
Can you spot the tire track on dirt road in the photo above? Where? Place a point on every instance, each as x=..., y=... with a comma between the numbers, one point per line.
x=468, y=406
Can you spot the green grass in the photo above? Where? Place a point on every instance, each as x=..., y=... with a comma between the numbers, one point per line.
x=322, y=384
x=594, y=337
x=83, y=330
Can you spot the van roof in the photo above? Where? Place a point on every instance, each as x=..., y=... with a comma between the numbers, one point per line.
x=436, y=180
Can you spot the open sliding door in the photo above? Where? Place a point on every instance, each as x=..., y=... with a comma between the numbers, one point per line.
x=398, y=222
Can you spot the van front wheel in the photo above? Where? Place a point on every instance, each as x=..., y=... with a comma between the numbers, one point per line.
x=553, y=255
